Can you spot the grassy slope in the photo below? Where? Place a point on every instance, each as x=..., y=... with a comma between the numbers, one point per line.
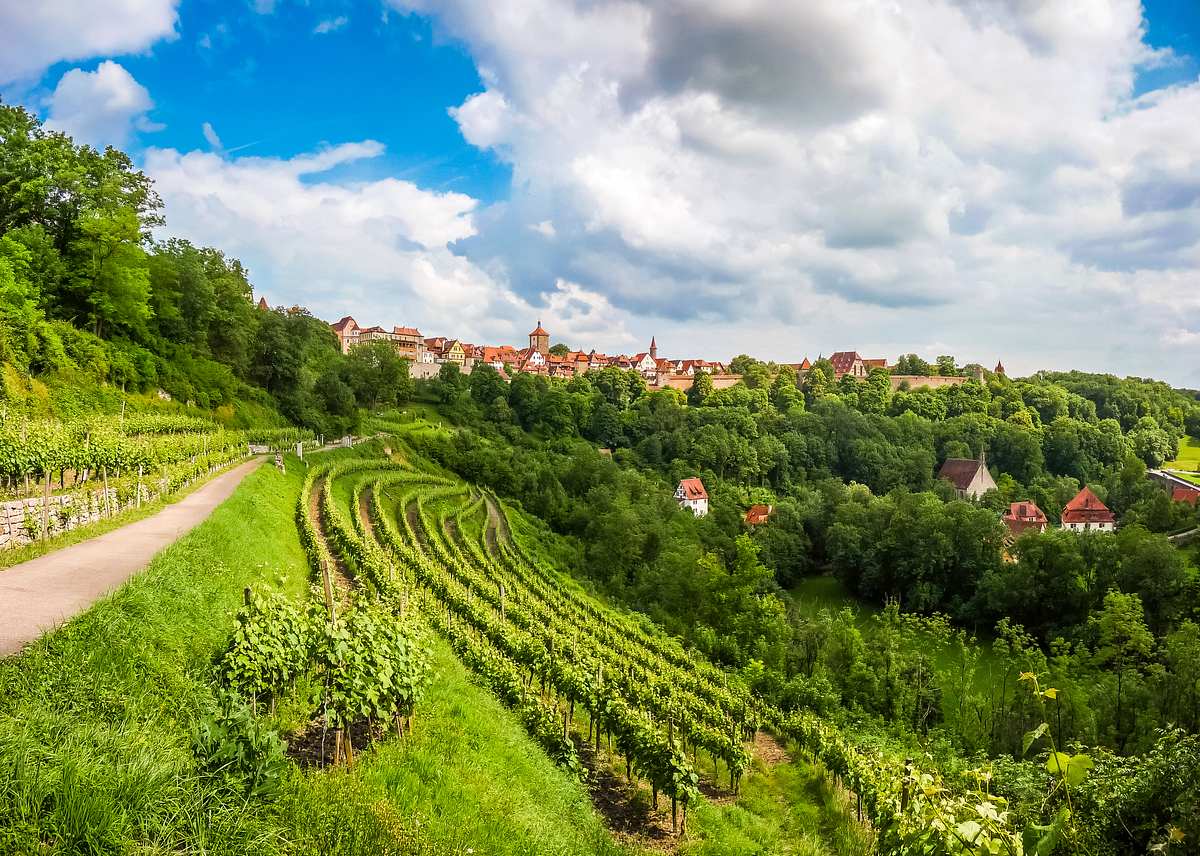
x=94, y=729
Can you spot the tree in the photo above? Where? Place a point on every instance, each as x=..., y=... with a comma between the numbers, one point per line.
x=946, y=366
x=911, y=364
x=559, y=349
x=741, y=363
x=449, y=381
x=784, y=394
x=701, y=388
x=486, y=384
x=378, y=373
x=1123, y=644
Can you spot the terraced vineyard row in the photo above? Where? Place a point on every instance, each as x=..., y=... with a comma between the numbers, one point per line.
x=579, y=672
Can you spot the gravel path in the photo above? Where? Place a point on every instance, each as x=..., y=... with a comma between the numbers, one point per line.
x=39, y=595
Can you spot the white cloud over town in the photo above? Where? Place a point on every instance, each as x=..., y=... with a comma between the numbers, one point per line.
x=787, y=178
x=375, y=248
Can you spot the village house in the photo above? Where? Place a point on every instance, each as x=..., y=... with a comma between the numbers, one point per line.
x=1086, y=512
x=1185, y=494
x=969, y=476
x=347, y=333
x=409, y=343
x=1023, y=517
x=539, y=340
x=848, y=363
x=758, y=515
x=691, y=495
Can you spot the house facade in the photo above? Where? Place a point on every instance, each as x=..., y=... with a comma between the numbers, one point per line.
x=1023, y=517
x=969, y=476
x=691, y=495
x=1087, y=513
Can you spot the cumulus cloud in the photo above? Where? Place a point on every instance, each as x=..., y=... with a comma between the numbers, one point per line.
x=35, y=35
x=969, y=174
x=101, y=107
x=330, y=25
x=378, y=247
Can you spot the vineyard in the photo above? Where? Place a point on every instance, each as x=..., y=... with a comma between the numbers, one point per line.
x=78, y=472
x=398, y=550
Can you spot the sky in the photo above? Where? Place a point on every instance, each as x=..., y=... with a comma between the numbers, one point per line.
x=1013, y=180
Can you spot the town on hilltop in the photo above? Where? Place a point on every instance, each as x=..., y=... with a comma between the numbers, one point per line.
x=426, y=356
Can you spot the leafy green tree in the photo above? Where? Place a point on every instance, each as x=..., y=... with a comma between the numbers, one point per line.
x=742, y=363
x=911, y=364
x=378, y=373
x=701, y=388
x=1123, y=645
x=946, y=366
x=486, y=384
x=560, y=349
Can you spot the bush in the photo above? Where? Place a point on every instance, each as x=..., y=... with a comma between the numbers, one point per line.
x=237, y=751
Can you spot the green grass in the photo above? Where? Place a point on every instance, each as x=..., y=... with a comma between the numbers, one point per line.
x=95, y=726
x=477, y=783
x=788, y=809
x=94, y=718
x=1188, y=457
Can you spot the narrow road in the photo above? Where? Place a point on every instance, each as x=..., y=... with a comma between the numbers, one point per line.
x=39, y=595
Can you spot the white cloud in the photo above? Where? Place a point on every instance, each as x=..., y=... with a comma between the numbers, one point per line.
x=378, y=249
x=36, y=34
x=330, y=25
x=545, y=227
x=263, y=7
x=210, y=135
x=100, y=107
x=799, y=177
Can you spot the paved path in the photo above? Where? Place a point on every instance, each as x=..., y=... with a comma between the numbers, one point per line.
x=38, y=595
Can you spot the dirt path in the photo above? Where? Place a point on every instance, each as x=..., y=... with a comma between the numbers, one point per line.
x=38, y=595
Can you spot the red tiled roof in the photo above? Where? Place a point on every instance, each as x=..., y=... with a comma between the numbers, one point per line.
x=1086, y=507
x=262, y=304
x=1022, y=516
x=406, y=331
x=693, y=489
x=758, y=514
x=843, y=361
x=539, y=331
x=1185, y=494
x=341, y=325
x=960, y=471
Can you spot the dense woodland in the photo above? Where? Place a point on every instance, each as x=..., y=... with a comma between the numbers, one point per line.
x=89, y=295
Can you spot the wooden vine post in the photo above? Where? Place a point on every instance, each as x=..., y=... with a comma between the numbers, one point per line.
x=46, y=507
x=107, y=504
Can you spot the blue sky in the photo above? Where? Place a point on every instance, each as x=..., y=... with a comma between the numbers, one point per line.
x=269, y=84
x=993, y=179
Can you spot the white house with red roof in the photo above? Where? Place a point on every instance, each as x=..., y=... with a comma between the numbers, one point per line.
x=970, y=476
x=1087, y=513
x=1023, y=517
x=690, y=494
x=848, y=363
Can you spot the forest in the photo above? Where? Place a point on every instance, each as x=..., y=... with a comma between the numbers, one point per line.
x=88, y=294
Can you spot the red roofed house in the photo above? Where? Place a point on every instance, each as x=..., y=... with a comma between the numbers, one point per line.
x=969, y=476
x=346, y=331
x=1023, y=517
x=847, y=363
x=1087, y=512
x=758, y=515
x=691, y=495
x=1185, y=494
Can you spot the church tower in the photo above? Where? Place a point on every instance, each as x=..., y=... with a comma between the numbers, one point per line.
x=539, y=340
x=653, y=349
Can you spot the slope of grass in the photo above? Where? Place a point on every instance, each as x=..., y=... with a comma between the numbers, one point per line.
x=1188, y=457
x=95, y=724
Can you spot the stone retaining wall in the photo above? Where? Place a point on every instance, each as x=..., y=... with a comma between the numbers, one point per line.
x=21, y=519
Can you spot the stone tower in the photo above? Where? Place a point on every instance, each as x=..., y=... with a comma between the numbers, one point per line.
x=539, y=340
